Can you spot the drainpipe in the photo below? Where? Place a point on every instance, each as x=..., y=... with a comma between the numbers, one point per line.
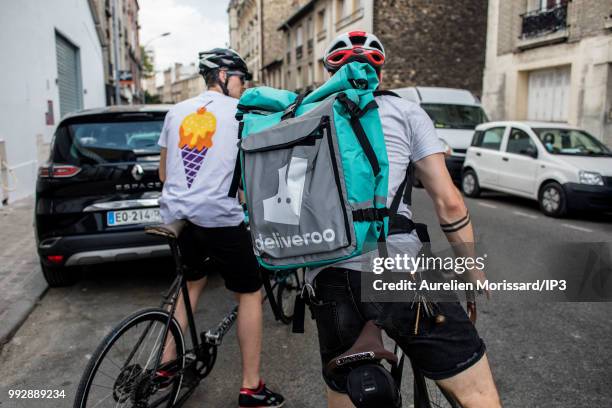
x=116, y=51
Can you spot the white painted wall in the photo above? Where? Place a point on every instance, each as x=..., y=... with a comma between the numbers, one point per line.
x=28, y=80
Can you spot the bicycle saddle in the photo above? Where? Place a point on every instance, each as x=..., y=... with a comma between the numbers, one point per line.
x=368, y=348
x=172, y=230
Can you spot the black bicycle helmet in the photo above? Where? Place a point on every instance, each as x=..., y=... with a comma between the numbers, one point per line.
x=226, y=59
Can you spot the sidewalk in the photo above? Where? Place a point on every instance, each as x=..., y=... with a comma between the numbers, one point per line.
x=21, y=281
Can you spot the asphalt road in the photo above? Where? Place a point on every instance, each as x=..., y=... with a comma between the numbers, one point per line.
x=543, y=354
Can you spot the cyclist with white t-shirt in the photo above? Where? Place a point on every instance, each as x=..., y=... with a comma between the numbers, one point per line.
x=197, y=162
x=452, y=354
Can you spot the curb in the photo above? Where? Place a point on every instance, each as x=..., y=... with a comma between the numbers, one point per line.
x=19, y=310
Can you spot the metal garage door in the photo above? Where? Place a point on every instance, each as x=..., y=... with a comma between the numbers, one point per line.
x=68, y=75
x=548, y=98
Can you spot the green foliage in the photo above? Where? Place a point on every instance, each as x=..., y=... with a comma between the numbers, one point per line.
x=148, y=69
x=152, y=99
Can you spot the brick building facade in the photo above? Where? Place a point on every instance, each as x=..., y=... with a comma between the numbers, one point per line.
x=550, y=60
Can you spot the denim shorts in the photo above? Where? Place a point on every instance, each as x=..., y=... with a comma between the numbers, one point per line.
x=439, y=350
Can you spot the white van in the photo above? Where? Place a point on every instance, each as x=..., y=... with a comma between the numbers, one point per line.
x=562, y=167
x=455, y=113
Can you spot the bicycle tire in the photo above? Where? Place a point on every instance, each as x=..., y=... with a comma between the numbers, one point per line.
x=152, y=315
x=288, y=288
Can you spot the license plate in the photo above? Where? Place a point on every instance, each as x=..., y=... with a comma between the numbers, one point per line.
x=138, y=216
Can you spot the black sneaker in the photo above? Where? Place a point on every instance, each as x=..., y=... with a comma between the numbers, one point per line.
x=261, y=397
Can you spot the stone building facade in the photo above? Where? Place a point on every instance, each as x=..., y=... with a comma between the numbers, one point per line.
x=551, y=60
x=180, y=82
x=130, y=60
x=432, y=43
x=245, y=33
x=420, y=37
x=308, y=31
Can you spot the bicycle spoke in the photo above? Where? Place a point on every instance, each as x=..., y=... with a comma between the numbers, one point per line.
x=102, y=386
x=102, y=400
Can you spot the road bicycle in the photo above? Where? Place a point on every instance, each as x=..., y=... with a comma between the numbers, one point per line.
x=124, y=369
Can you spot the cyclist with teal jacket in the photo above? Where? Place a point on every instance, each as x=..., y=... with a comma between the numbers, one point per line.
x=452, y=354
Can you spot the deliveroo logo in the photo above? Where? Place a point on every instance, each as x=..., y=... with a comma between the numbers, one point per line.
x=285, y=206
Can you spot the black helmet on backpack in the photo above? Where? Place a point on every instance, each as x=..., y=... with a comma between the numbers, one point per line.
x=223, y=58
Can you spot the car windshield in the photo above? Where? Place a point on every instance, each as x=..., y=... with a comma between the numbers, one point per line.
x=571, y=142
x=102, y=142
x=455, y=116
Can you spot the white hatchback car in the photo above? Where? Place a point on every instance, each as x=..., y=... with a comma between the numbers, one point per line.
x=562, y=167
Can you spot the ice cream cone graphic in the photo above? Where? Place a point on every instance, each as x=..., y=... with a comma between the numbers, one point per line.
x=195, y=138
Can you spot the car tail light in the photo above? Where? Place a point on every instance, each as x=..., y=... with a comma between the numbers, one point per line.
x=55, y=259
x=58, y=171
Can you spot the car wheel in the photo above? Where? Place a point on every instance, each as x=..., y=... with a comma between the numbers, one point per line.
x=469, y=184
x=58, y=276
x=552, y=200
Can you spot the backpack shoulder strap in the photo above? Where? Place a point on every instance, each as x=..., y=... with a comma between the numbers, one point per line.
x=381, y=92
x=404, y=190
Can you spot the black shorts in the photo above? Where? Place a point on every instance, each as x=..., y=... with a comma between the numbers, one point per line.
x=439, y=350
x=230, y=252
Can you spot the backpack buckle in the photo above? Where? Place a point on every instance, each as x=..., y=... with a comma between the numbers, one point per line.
x=352, y=108
x=289, y=112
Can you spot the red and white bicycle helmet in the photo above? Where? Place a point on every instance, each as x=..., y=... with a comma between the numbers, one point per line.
x=354, y=46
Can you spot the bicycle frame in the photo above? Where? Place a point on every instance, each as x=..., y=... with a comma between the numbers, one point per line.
x=212, y=337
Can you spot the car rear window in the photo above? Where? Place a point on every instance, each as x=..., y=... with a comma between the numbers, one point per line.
x=102, y=142
x=455, y=116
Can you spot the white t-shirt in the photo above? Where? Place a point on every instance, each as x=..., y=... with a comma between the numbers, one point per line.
x=409, y=136
x=201, y=136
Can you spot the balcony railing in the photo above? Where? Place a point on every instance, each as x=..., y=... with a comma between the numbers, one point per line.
x=344, y=21
x=298, y=52
x=542, y=22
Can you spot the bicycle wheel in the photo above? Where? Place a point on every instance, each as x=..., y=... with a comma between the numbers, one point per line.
x=427, y=394
x=119, y=373
x=288, y=288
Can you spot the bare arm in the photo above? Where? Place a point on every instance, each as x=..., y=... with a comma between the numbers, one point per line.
x=162, y=164
x=450, y=207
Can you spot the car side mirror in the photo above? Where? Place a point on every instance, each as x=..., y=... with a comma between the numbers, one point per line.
x=530, y=151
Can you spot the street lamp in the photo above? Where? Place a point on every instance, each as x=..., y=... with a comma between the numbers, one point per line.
x=144, y=48
x=156, y=38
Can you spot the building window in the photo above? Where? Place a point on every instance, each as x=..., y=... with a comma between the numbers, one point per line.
x=347, y=12
x=288, y=59
x=321, y=24
x=342, y=9
x=547, y=17
x=299, y=80
x=299, y=39
x=322, y=71
x=310, y=74
x=309, y=34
